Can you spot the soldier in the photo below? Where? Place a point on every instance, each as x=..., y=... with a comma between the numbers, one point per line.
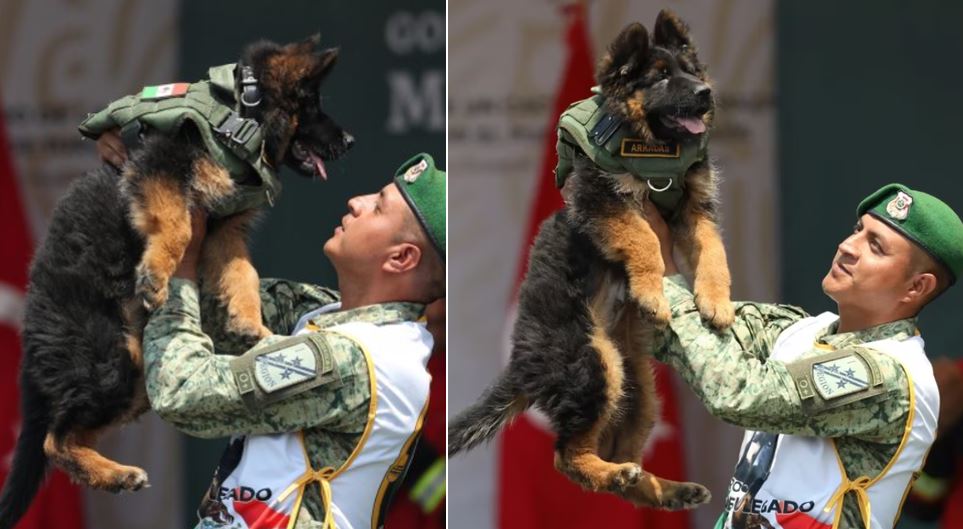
x=848, y=402
x=326, y=418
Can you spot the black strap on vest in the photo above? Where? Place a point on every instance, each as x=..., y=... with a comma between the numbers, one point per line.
x=250, y=95
x=236, y=128
x=605, y=128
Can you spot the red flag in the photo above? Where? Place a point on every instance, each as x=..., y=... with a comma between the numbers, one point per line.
x=532, y=494
x=58, y=502
x=953, y=515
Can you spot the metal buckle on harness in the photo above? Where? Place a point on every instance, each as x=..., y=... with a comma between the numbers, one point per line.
x=237, y=129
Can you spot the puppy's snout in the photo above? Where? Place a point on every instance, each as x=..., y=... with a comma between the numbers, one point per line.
x=348, y=140
x=703, y=93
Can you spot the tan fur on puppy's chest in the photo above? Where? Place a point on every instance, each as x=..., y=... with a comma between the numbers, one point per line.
x=212, y=183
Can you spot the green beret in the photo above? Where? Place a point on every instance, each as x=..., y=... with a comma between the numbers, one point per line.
x=922, y=218
x=423, y=186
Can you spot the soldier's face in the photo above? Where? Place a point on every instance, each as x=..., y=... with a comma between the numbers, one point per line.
x=373, y=228
x=871, y=269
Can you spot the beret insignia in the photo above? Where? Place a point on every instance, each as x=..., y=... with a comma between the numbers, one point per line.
x=415, y=171
x=899, y=207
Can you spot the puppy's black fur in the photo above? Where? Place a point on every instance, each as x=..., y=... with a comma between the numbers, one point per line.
x=592, y=295
x=95, y=276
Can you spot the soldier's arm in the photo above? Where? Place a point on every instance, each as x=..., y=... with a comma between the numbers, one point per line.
x=203, y=394
x=732, y=375
x=754, y=331
x=283, y=302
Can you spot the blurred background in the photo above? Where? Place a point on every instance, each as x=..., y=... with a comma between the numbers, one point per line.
x=60, y=59
x=819, y=103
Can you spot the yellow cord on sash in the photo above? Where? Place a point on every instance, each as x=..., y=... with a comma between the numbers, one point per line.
x=858, y=486
x=322, y=477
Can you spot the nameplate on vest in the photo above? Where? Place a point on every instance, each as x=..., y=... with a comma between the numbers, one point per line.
x=840, y=377
x=285, y=367
x=154, y=93
x=636, y=148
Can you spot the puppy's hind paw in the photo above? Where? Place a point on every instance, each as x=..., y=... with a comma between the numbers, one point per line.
x=626, y=476
x=686, y=496
x=125, y=479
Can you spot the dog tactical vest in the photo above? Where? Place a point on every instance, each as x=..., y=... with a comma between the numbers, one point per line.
x=235, y=143
x=586, y=127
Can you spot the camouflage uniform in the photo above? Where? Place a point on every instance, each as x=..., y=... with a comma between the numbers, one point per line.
x=730, y=374
x=194, y=389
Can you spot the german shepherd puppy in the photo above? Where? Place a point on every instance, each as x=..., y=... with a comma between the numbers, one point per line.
x=113, y=244
x=592, y=297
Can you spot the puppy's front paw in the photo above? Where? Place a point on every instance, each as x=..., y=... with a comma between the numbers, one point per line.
x=714, y=305
x=720, y=314
x=248, y=331
x=655, y=307
x=149, y=288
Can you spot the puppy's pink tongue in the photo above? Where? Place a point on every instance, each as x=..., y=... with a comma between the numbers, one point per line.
x=693, y=125
x=319, y=166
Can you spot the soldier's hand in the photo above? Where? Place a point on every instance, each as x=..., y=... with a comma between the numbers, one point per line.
x=187, y=269
x=662, y=231
x=111, y=148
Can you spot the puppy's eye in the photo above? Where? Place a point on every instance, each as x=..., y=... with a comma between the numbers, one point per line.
x=664, y=72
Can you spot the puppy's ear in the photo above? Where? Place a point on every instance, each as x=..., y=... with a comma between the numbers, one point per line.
x=670, y=31
x=307, y=45
x=627, y=53
x=323, y=63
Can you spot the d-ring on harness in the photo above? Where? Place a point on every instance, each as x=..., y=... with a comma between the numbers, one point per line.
x=648, y=182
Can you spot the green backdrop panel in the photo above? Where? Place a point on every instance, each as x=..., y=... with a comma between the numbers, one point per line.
x=869, y=93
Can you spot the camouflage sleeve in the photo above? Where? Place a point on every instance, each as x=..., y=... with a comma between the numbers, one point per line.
x=282, y=303
x=756, y=327
x=730, y=373
x=196, y=391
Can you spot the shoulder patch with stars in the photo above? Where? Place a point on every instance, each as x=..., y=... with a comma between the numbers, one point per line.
x=293, y=365
x=836, y=378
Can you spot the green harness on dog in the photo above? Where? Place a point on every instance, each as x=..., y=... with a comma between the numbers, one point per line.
x=234, y=142
x=586, y=127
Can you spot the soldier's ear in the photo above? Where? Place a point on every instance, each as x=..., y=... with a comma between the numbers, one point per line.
x=921, y=287
x=401, y=258
x=626, y=54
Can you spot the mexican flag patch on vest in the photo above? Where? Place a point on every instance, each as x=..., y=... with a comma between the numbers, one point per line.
x=164, y=91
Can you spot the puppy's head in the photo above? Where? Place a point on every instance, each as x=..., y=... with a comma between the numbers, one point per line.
x=297, y=130
x=657, y=83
